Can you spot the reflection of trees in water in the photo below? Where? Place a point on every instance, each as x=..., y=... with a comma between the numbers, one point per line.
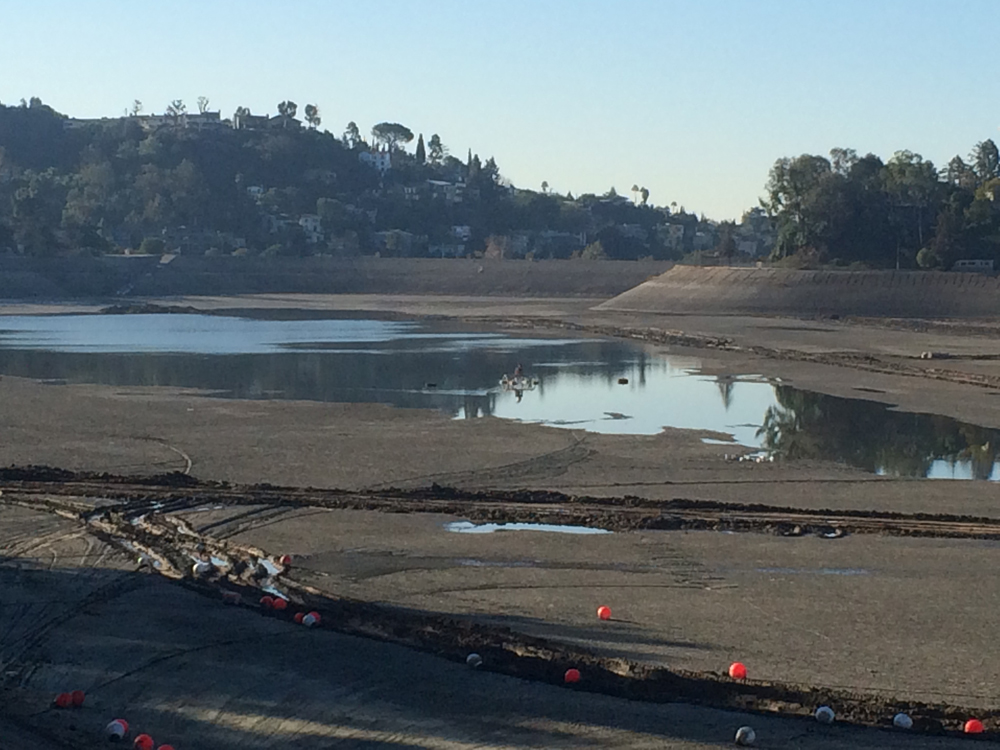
x=870, y=436
x=401, y=373
x=725, y=385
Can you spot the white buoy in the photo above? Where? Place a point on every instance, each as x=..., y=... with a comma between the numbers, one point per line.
x=902, y=721
x=825, y=715
x=115, y=730
x=745, y=736
x=202, y=568
x=474, y=660
x=309, y=621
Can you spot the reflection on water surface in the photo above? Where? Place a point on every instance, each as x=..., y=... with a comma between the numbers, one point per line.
x=598, y=385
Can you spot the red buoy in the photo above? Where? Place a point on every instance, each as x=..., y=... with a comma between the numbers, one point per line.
x=266, y=602
x=572, y=675
x=78, y=697
x=737, y=671
x=604, y=613
x=64, y=700
x=165, y=747
x=143, y=742
x=973, y=726
x=286, y=560
x=280, y=604
x=298, y=617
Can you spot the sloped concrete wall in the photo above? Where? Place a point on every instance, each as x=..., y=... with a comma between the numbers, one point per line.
x=691, y=289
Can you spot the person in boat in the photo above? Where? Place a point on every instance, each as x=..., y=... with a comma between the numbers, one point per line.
x=518, y=372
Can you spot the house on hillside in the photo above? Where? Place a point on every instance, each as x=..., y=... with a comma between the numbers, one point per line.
x=312, y=227
x=462, y=232
x=449, y=192
x=380, y=160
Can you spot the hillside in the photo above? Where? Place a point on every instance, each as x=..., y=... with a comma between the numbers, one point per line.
x=136, y=276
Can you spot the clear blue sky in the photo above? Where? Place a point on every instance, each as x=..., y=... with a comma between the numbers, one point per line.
x=694, y=99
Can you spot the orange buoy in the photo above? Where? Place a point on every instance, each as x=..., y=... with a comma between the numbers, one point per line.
x=280, y=604
x=266, y=602
x=572, y=675
x=973, y=726
x=78, y=697
x=64, y=700
x=143, y=742
x=298, y=617
x=604, y=613
x=738, y=671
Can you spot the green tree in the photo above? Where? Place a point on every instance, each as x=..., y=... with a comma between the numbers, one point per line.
x=177, y=109
x=391, y=134
x=352, y=136
x=312, y=116
x=152, y=246
x=421, y=154
x=287, y=110
x=985, y=160
x=136, y=108
x=436, y=152
x=644, y=196
x=202, y=104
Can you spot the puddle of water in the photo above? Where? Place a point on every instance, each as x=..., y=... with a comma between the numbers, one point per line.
x=467, y=527
x=423, y=365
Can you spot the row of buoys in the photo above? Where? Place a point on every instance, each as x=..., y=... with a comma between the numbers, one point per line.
x=737, y=670
x=309, y=619
x=70, y=700
x=277, y=603
x=117, y=730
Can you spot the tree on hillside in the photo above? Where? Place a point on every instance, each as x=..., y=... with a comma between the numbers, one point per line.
x=436, y=152
x=202, y=104
x=391, y=134
x=644, y=195
x=136, y=108
x=177, y=109
x=727, y=242
x=985, y=160
x=312, y=116
x=421, y=154
x=287, y=110
x=545, y=186
x=959, y=174
x=635, y=193
x=842, y=160
x=352, y=136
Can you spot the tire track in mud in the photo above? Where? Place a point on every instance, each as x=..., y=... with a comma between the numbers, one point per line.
x=142, y=519
x=544, y=466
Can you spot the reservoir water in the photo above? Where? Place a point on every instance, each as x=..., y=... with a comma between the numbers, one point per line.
x=599, y=385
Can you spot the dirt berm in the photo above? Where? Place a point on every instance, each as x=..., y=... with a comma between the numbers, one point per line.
x=768, y=291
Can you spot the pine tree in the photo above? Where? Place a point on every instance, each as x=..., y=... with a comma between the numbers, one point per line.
x=421, y=151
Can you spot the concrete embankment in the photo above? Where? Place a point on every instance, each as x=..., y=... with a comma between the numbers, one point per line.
x=147, y=276
x=768, y=291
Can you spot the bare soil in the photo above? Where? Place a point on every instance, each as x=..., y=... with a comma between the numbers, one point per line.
x=834, y=586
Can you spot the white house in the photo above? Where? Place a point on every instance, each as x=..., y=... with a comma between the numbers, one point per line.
x=380, y=160
x=313, y=228
x=462, y=232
